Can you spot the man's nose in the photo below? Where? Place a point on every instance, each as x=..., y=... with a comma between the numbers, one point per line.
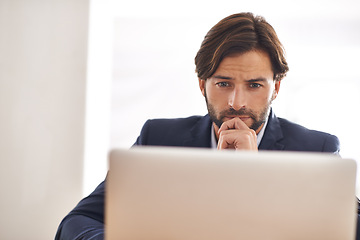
x=237, y=99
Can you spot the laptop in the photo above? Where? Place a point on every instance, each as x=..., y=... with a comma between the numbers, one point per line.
x=167, y=193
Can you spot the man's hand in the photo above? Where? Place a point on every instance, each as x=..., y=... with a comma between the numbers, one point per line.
x=235, y=134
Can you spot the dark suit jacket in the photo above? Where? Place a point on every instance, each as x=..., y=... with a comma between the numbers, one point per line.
x=87, y=218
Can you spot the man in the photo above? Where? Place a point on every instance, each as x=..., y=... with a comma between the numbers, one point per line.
x=240, y=66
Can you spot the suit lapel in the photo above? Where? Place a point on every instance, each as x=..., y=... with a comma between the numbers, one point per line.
x=200, y=135
x=273, y=134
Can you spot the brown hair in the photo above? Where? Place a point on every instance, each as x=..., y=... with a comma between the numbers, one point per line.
x=240, y=33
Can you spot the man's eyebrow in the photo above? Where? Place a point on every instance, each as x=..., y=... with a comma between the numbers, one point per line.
x=222, y=77
x=260, y=79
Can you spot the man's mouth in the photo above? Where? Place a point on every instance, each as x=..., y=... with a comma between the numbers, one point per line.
x=243, y=118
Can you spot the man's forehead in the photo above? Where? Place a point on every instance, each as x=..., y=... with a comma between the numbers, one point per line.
x=226, y=77
x=249, y=65
x=247, y=58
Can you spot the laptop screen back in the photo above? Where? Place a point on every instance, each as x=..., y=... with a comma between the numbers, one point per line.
x=179, y=193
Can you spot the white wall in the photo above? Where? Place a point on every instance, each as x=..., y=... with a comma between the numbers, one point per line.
x=43, y=55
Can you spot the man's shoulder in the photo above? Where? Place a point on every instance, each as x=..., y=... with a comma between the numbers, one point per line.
x=175, y=122
x=290, y=127
x=174, y=131
x=298, y=137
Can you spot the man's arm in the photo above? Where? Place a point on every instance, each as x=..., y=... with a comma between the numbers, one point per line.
x=332, y=144
x=78, y=227
x=86, y=220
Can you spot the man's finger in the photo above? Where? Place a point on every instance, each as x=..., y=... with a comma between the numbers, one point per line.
x=238, y=139
x=234, y=123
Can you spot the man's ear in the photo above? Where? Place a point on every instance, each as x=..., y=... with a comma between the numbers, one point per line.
x=277, y=88
x=202, y=86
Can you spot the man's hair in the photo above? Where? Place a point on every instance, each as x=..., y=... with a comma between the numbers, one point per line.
x=236, y=34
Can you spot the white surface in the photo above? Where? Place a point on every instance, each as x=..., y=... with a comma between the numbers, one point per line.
x=43, y=49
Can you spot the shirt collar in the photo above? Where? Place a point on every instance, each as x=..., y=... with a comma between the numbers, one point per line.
x=259, y=136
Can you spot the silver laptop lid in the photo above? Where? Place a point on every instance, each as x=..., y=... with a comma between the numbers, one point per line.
x=179, y=193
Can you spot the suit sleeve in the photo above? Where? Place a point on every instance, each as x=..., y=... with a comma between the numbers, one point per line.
x=86, y=220
x=143, y=137
x=331, y=144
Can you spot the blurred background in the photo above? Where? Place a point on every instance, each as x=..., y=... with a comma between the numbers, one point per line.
x=80, y=77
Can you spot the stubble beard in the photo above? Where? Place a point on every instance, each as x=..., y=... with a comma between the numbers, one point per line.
x=258, y=118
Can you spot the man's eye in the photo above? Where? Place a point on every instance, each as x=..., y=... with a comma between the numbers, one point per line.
x=254, y=85
x=222, y=84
